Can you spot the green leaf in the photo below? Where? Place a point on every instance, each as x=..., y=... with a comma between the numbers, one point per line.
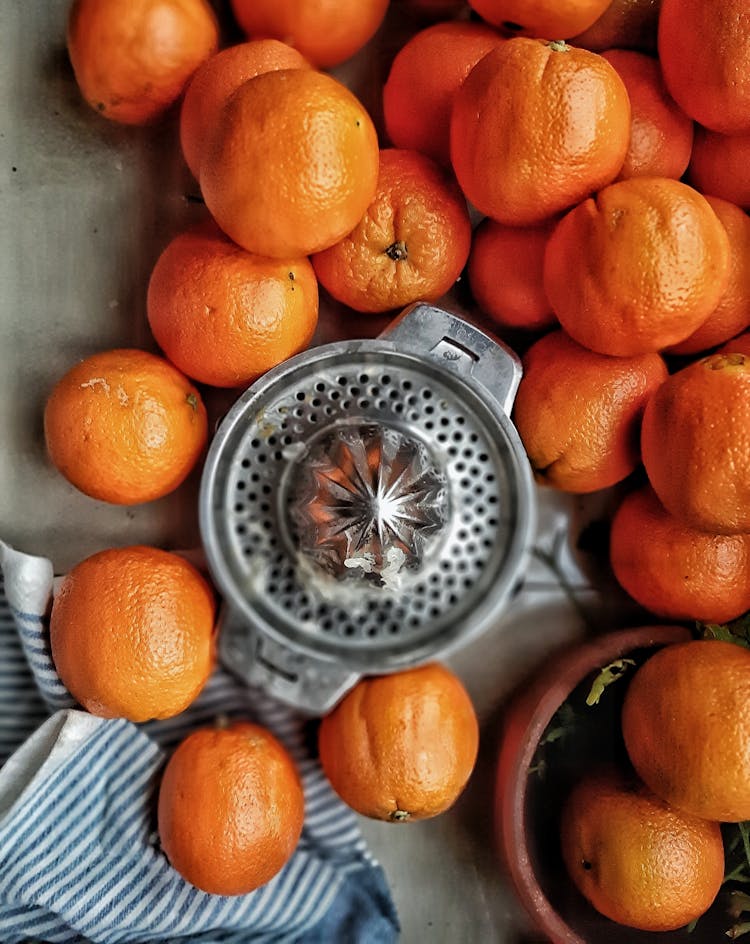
x=609, y=674
x=737, y=632
x=562, y=724
x=739, y=903
x=738, y=930
x=692, y=926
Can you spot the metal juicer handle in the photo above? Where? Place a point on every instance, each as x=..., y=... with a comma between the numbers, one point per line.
x=427, y=330
x=301, y=681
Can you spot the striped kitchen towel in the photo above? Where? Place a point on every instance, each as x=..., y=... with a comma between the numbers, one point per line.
x=79, y=852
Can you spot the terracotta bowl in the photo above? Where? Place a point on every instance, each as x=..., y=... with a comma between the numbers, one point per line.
x=533, y=780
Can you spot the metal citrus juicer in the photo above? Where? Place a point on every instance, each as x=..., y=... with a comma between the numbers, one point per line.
x=367, y=506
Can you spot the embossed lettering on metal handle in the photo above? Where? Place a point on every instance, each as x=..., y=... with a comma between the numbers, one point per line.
x=426, y=330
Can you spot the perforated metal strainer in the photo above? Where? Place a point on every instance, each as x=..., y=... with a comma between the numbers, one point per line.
x=367, y=506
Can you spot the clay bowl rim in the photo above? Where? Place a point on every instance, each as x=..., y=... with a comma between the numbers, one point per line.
x=525, y=721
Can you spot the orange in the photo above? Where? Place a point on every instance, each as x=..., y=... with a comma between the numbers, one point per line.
x=291, y=163
x=231, y=808
x=132, y=633
x=686, y=724
x=679, y=572
x=661, y=134
x=412, y=242
x=506, y=274
x=720, y=166
x=217, y=79
x=637, y=860
x=225, y=316
x=625, y=24
x=401, y=747
x=696, y=443
x=738, y=345
x=536, y=127
x=327, y=32
x=638, y=268
x=579, y=413
x=423, y=79
x=125, y=426
x=704, y=51
x=732, y=315
x=552, y=19
x=132, y=58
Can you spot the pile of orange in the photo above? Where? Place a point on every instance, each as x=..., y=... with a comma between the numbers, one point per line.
x=643, y=843
x=612, y=185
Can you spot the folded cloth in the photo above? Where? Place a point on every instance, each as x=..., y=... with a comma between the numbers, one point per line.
x=79, y=850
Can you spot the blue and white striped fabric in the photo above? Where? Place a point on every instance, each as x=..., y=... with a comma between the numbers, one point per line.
x=79, y=853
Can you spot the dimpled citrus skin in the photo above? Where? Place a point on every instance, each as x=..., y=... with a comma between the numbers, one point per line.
x=132, y=58
x=125, y=426
x=401, y=747
x=132, y=633
x=637, y=860
x=625, y=24
x=661, y=134
x=679, y=572
x=225, y=316
x=411, y=244
x=506, y=274
x=536, y=127
x=720, y=166
x=552, y=19
x=732, y=314
x=704, y=52
x=231, y=808
x=217, y=79
x=578, y=413
x=327, y=32
x=686, y=724
x=637, y=268
x=291, y=164
x=695, y=442
x=424, y=77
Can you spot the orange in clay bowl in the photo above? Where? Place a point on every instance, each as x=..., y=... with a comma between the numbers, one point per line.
x=550, y=739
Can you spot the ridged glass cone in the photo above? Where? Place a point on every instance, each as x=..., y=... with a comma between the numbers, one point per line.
x=368, y=499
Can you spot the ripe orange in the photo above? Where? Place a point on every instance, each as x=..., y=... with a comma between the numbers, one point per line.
x=550, y=120
x=132, y=633
x=679, y=572
x=686, y=724
x=217, y=79
x=424, y=77
x=125, y=426
x=732, y=315
x=696, y=443
x=720, y=166
x=401, y=747
x=661, y=134
x=636, y=859
x=326, y=32
x=506, y=274
x=412, y=242
x=625, y=24
x=291, y=164
x=551, y=19
x=638, y=268
x=738, y=345
x=231, y=808
x=132, y=58
x=225, y=316
x=704, y=51
x=579, y=413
